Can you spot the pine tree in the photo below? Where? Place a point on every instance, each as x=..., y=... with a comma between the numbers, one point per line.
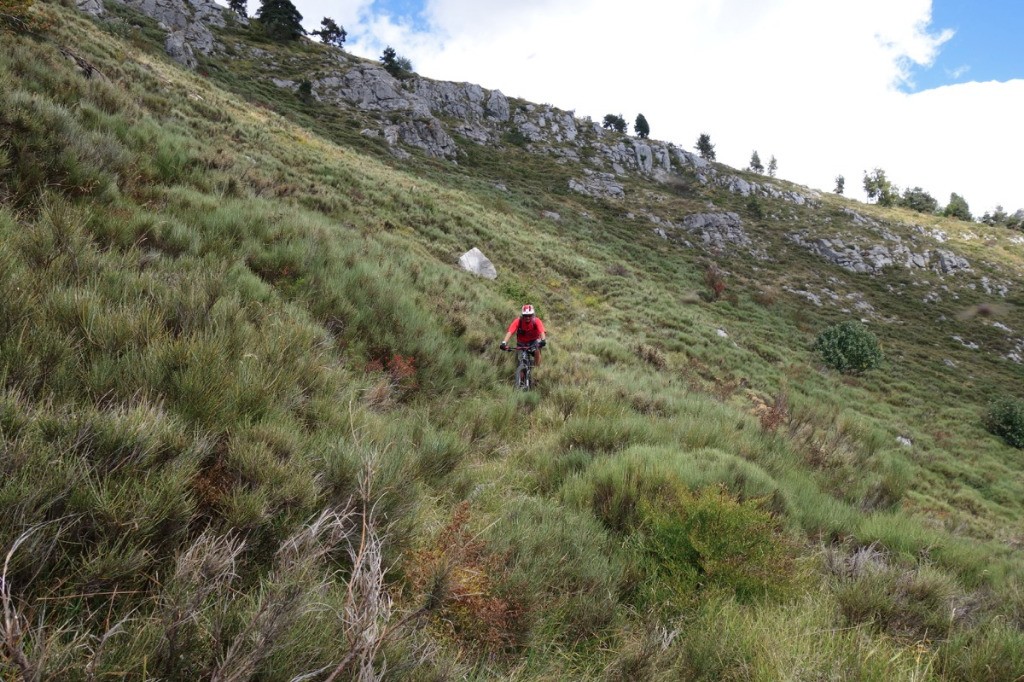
x=755, y=163
x=773, y=166
x=330, y=33
x=704, y=146
x=239, y=7
x=840, y=184
x=280, y=19
x=641, y=127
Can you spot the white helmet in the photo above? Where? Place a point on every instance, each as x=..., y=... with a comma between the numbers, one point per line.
x=527, y=309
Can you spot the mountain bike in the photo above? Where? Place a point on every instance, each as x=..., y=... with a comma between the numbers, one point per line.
x=523, y=377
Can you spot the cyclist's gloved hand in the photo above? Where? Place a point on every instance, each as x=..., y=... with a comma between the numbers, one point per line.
x=503, y=346
x=542, y=343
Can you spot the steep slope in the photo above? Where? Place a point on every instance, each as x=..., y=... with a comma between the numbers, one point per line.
x=255, y=424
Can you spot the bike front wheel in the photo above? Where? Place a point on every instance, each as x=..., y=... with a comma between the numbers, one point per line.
x=523, y=378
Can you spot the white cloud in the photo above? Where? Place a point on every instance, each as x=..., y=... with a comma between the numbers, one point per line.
x=816, y=83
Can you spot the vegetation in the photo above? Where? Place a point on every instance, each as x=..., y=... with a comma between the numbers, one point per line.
x=17, y=15
x=705, y=148
x=1001, y=217
x=280, y=20
x=614, y=122
x=253, y=424
x=331, y=33
x=957, y=208
x=641, y=127
x=239, y=7
x=878, y=188
x=1005, y=418
x=840, y=184
x=398, y=66
x=849, y=347
x=755, y=163
x=917, y=199
x=773, y=166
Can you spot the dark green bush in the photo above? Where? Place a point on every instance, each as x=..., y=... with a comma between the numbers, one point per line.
x=849, y=347
x=1005, y=419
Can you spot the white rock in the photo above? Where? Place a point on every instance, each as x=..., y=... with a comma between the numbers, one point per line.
x=476, y=262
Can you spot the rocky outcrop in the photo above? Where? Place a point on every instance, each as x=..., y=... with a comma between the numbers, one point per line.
x=427, y=134
x=543, y=123
x=601, y=185
x=179, y=49
x=639, y=156
x=875, y=258
x=717, y=230
x=714, y=231
x=93, y=8
x=369, y=88
x=947, y=262
x=187, y=23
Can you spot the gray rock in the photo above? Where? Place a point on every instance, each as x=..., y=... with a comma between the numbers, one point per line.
x=551, y=215
x=427, y=134
x=476, y=262
x=93, y=8
x=738, y=185
x=810, y=296
x=497, y=106
x=644, y=157
x=717, y=230
x=949, y=263
x=966, y=344
x=875, y=258
x=187, y=23
x=180, y=50
x=602, y=185
x=370, y=88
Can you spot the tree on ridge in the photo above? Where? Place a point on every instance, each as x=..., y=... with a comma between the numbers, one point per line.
x=280, y=19
x=704, y=146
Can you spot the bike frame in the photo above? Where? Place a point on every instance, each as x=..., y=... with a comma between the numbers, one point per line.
x=523, y=378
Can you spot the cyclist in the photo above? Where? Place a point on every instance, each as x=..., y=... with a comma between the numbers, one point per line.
x=529, y=331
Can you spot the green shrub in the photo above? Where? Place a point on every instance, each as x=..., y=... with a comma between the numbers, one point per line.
x=849, y=347
x=1005, y=419
x=712, y=539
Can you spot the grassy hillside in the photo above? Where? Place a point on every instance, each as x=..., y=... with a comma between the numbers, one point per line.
x=255, y=424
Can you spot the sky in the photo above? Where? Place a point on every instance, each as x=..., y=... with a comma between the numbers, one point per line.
x=930, y=91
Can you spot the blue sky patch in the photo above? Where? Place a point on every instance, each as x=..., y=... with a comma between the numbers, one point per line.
x=988, y=45
x=403, y=11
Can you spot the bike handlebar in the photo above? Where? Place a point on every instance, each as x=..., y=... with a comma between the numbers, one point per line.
x=513, y=349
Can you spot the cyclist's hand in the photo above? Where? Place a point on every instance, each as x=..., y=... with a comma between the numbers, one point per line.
x=542, y=343
x=503, y=346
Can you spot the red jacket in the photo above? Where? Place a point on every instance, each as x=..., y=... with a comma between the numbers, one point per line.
x=526, y=331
